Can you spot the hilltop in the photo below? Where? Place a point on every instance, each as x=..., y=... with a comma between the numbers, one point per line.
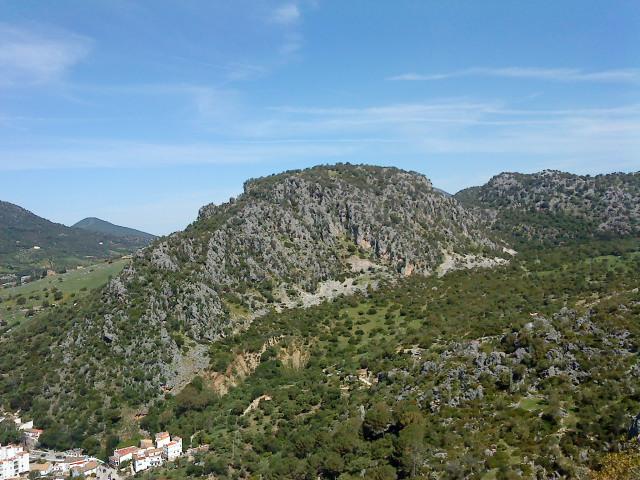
x=93, y=224
x=556, y=206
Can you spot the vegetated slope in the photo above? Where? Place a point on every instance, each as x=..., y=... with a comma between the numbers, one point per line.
x=97, y=225
x=295, y=237
x=557, y=206
x=529, y=370
x=29, y=242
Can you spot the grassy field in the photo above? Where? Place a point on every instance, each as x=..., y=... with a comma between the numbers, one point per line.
x=25, y=300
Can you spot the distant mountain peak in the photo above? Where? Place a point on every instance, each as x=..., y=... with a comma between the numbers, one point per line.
x=94, y=224
x=21, y=231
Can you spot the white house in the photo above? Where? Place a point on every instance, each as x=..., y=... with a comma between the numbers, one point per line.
x=122, y=455
x=23, y=425
x=162, y=439
x=14, y=461
x=151, y=457
x=173, y=449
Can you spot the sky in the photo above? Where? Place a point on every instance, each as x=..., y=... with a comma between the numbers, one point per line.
x=140, y=112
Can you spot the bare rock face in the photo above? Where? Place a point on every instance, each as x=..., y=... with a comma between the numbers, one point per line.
x=287, y=237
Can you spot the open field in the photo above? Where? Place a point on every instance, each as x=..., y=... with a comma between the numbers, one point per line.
x=25, y=300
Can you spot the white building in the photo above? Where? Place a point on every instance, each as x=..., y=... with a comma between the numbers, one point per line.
x=122, y=455
x=173, y=449
x=149, y=458
x=13, y=461
x=23, y=425
x=162, y=439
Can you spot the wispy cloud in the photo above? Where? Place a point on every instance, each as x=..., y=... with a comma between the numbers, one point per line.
x=287, y=14
x=629, y=75
x=294, y=134
x=99, y=153
x=33, y=58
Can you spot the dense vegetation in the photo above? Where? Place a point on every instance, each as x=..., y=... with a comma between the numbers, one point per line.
x=400, y=383
x=323, y=418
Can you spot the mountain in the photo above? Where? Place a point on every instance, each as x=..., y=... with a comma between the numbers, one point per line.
x=339, y=314
x=97, y=225
x=557, y=206
x=29, y=242
x=291, y=239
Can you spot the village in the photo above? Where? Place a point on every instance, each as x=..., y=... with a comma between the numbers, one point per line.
x=25, y=460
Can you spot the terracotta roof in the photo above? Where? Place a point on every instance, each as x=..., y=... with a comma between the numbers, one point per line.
x=125, y=451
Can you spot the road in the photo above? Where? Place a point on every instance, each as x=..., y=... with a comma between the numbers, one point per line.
x=46, y=455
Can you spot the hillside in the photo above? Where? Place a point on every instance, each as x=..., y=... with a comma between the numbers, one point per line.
x=525, y=371
x=291, y=239
x=97, y=225
x=340, y=322
x=557, y=206
x=29, y=243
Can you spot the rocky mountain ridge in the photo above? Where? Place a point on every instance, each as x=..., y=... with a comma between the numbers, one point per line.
x=288, y=236
x=557, y=205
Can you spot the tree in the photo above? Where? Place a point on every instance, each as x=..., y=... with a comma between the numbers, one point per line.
x=9, y=433
x=377, y=420
x=382, y=472
x=91, y=445
x=410, y=450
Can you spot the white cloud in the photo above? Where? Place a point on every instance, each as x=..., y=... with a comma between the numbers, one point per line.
x=287, y=14
x=33, y=58
x=629, y=75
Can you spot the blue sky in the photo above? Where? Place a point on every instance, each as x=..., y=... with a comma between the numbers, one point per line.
x=141, y=112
